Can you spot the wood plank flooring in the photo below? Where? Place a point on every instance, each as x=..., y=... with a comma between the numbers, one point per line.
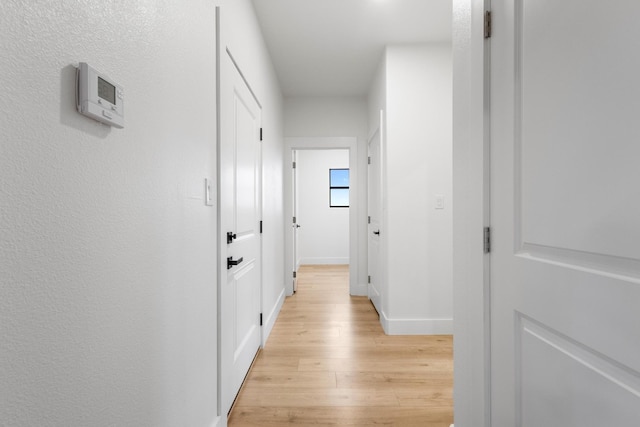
x=328, y=363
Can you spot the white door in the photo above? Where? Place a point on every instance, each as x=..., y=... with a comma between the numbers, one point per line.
x=565, y=213
x=375, y=221
x=294, y=224
x=240, y=200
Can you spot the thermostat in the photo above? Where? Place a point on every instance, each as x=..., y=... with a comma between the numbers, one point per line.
x=99, y=97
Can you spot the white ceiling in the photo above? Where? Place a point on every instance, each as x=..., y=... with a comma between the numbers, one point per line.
x=333, y=47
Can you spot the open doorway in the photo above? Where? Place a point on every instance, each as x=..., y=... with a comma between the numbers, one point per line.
x=321, y=203
x=323, y=229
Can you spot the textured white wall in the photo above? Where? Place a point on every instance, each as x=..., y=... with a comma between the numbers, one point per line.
x=324, y=234
x=108, y=304
x=419, y=166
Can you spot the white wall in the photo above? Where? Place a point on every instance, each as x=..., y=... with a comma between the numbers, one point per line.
x=338, y=117
x=418, y=167
x=108, y=303
x=377, y=96
x=108, y=296
x=324, y=234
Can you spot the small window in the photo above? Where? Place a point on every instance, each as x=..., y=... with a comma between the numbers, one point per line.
x=339, y=188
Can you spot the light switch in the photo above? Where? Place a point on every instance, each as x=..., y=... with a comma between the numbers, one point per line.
x=208, y=192
x=439, y=201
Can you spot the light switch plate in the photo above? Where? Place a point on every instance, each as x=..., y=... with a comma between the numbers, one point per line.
x=208, y=192
x=439, y=201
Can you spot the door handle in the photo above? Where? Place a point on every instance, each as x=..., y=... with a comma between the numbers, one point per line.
x=377, y=233
x=231, y=262
x=231, y=236
x=297, y=225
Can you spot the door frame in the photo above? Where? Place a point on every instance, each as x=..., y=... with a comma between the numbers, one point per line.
x=380, y=131
x=323, y=143
x=295, y=226
x=471, y=174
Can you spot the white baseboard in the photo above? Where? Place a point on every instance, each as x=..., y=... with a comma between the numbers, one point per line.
x=384, y=322
x=416, y=326
x=324, y=261
x=270, y=319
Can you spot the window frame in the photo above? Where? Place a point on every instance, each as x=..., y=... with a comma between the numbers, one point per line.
x=348, y=187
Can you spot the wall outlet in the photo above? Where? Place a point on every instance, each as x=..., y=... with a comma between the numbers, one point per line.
x=439, y=201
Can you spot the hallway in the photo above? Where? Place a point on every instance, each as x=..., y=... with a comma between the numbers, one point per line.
x=328, y=363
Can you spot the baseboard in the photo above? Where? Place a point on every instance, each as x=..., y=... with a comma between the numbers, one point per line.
x=384, y=322
x=217, y=422
x=324, y=261
x=416, y=326
x=270, y=319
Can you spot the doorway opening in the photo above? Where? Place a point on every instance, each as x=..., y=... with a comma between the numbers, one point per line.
x=321, y=204
x=322, y=199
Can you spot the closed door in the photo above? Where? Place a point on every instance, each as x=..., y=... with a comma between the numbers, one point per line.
x=565, y=213
x=375, y=220
x=240, y=200
x=294, y=223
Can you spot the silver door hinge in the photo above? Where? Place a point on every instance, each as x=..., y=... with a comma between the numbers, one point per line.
x=260, y=319
x=369, y=160
x=294, y=219
x=487, y=24
x=368, y=220
x=369, y=279
x=487, y=240
x=260, y=134
x=294, y=165
x=295, y=274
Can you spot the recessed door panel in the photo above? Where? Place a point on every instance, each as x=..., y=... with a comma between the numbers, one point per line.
x=565, y=256
x=579, y=98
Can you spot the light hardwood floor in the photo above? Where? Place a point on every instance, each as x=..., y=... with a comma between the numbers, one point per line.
x=328, y=363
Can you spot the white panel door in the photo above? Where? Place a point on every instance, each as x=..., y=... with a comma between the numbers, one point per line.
x=565, y=213
x=240, y=211
x=294, y=223
x=375, y=222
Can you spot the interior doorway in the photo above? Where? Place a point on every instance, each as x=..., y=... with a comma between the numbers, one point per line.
x=318, y=233
x=321, y=203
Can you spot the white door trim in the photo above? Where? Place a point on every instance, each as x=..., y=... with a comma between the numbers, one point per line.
x=323, y=143
x=471, y=213
x=381, y=279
